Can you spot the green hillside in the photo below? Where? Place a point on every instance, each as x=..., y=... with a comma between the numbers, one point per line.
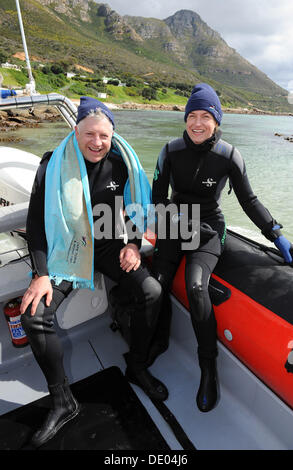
x=166, y=56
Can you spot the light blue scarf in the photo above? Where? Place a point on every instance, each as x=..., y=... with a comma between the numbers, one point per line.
x=68, y=211
x=137, y=190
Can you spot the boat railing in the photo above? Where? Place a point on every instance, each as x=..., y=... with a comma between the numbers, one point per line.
x=68, y=111
x=64, y=105
x=13, y=217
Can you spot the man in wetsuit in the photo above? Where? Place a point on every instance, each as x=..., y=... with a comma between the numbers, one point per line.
x=107, y=176
x=197, y=167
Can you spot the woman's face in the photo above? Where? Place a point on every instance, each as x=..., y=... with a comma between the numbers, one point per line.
x=200, y=126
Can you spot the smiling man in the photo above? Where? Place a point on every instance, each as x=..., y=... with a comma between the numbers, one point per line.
x=94, y=136
x=85, y=164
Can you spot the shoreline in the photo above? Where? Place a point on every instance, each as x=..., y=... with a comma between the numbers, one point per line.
x=12, y=120
x=181, y=108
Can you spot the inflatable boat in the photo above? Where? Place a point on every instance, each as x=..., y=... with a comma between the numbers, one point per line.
x=251, y=290
x=253, y=301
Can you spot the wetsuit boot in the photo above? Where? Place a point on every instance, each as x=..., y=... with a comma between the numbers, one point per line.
x=160, y=341
x=207, y=395
x=64, y=408
x=153, y=387
x=136, y=360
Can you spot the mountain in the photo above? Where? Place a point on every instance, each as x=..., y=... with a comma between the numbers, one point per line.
x=182, y=49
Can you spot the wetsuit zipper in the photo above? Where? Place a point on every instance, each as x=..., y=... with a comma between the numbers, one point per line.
x=197, y=171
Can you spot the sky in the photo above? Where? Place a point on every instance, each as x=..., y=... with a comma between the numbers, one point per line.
x=259, y=30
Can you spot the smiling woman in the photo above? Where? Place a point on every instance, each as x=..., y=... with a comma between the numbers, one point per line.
x=200, y=126
x=197, y=167
x=203, y=113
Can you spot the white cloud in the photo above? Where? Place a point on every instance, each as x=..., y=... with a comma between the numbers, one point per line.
x=261, y=31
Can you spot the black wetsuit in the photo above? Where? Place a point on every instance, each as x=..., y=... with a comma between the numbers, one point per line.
x=198, y=174
x=107, y=179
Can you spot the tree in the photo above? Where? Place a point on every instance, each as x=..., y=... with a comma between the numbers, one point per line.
x=57, y=68
x=3, y=57
x=46, y=69
x=149, y=93
x=62, y=66
x=113, y=81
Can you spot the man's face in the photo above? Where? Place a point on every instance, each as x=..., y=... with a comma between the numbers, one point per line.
x=94, y=138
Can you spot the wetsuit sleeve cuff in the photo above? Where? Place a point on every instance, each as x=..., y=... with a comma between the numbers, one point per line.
x=273, y=232
x=39, y=264
x=137, y=242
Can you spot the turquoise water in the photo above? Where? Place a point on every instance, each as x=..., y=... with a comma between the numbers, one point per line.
x=269, y=159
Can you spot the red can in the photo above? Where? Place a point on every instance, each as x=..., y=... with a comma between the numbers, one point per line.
x=13, y=317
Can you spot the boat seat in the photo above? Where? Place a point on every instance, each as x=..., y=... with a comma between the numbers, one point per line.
x=82, y=305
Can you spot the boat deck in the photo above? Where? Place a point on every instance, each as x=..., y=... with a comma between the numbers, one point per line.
x=240, y=421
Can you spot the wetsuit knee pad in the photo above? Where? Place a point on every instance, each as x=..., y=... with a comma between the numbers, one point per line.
x=198, y=296
x=197, y=300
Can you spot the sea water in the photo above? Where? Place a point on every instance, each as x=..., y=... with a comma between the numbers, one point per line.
x=268, y=157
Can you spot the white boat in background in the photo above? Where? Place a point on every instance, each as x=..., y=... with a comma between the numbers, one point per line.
x=253, y=413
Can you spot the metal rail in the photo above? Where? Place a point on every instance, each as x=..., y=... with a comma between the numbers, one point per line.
x=66, y=108
x=68, y=111
x=13, y=217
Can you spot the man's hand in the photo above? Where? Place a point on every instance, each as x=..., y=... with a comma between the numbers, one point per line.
x=130, y=258
x=39, y=287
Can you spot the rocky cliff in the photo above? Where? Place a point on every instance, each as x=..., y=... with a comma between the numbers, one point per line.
x=180, y=49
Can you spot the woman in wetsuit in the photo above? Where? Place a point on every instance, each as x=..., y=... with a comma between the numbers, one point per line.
x=197, y=167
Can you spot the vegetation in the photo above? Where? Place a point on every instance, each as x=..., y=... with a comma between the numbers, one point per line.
x=49, y=81
x=52, y=79
x=62, y=42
